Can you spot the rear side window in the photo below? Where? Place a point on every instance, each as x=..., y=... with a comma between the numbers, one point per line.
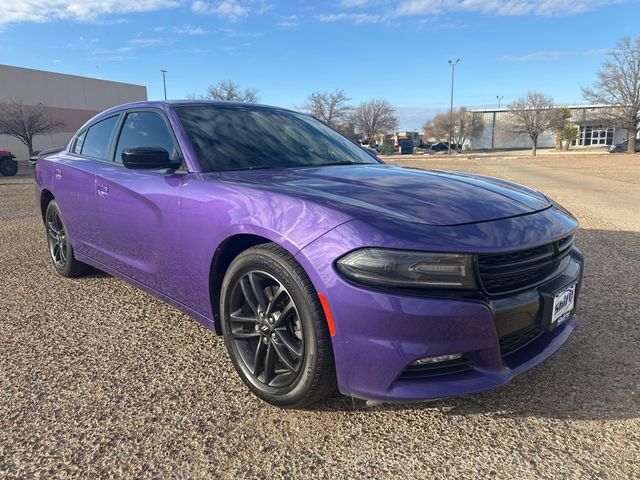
x=145, y=129
x=97, y=138
x=77, y=144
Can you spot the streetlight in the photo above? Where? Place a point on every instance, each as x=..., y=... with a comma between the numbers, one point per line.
x=164, y=83
x=493, y=123
x=453, y=69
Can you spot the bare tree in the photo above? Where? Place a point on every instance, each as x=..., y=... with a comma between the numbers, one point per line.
x=230, y=91
x=531, y=115
x=374, y=118
x=330, y=107
x=437, y=127
x=26, y=121
x=618, y=86
x=465, y=126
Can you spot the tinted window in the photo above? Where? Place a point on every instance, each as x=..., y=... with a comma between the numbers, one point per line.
x=145, y=129
x=96, y=142
x=243, y=137
x=77, y=145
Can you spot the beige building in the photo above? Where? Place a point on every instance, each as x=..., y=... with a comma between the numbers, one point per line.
x=70, y=98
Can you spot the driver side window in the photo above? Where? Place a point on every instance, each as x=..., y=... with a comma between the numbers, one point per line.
x=145, y=129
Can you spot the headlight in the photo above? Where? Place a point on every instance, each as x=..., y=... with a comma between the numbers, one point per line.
x=398, y=268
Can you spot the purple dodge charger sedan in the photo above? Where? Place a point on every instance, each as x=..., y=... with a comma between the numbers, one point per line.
x=319, y=264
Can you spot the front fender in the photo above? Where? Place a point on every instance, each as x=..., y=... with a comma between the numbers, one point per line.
x=212, y=211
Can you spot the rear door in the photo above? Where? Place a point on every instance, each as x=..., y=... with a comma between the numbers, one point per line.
x=73, y=183
x=138, y=210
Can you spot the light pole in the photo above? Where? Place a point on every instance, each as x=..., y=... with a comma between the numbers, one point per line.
x=493, y=124
x=453, y=69
x=164, y=83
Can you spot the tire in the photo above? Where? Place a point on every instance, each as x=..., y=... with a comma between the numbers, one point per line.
x=272, y=317
x=60, y=249
x=8, y=168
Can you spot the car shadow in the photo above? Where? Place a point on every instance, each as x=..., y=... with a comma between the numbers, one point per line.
x=95, y=273
x=594, y=376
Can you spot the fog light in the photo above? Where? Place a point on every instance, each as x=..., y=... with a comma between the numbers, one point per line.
x=437, y=359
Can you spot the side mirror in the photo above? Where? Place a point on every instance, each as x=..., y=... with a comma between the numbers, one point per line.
x=147, y=158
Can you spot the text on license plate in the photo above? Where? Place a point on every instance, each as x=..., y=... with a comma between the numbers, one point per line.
x=563, y=303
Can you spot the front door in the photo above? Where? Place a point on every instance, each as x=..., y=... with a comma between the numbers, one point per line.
x=138, y=210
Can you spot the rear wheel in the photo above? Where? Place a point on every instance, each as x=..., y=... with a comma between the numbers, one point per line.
x=8, y=168
x=60, y=248
x=274, y=328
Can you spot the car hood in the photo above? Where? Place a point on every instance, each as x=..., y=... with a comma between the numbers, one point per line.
x=413, y=195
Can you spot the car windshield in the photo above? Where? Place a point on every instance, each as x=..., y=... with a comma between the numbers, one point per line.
x=245, y=137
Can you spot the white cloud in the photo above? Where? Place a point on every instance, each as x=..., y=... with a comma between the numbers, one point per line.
x=189, y=30
x=21, y=11
x=229, y=9
x=536, y=56
x=288, y=21
x=554, y=55
x=354, y=3
x=369, y=11
x=357, y=18
x=230, y=32
x=232, y=10
x=125, y=52
x=500, y=7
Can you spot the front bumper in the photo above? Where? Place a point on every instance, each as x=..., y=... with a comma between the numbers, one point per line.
x=379, y=335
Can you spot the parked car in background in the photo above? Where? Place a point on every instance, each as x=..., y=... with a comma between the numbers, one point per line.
x=442, y=146
x=33, y=159
x=8, y=164
x=439, y=146
x=623, y=147
x=318, y=263
x=371, y=151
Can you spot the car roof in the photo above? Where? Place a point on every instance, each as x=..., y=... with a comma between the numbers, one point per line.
x=163, y=104
x=170, y=104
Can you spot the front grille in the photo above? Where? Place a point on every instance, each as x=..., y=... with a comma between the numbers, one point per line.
x=433, y=370
x=515, y=341
x=506, y=272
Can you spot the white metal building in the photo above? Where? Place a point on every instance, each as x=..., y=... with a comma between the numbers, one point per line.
x=70, y=98
x=595, y=130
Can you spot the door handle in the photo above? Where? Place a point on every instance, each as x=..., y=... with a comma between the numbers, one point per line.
x=57, y=173
x=103, y=191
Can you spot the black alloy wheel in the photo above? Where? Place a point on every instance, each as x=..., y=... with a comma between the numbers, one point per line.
x=60, y=249
x=275, y=329
x=57, y=238
x=266, y=329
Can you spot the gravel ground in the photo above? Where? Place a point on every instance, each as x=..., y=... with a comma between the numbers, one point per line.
x=101, y=380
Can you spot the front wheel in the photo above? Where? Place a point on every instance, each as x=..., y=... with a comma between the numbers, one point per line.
x=274, y=328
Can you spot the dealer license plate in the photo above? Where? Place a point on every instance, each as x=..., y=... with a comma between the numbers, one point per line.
x=563, y=303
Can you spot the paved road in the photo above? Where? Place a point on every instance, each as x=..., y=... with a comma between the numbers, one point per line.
x=100, y=380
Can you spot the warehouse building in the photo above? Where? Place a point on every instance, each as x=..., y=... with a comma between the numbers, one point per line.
x=70, y=98
x=595, y=130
